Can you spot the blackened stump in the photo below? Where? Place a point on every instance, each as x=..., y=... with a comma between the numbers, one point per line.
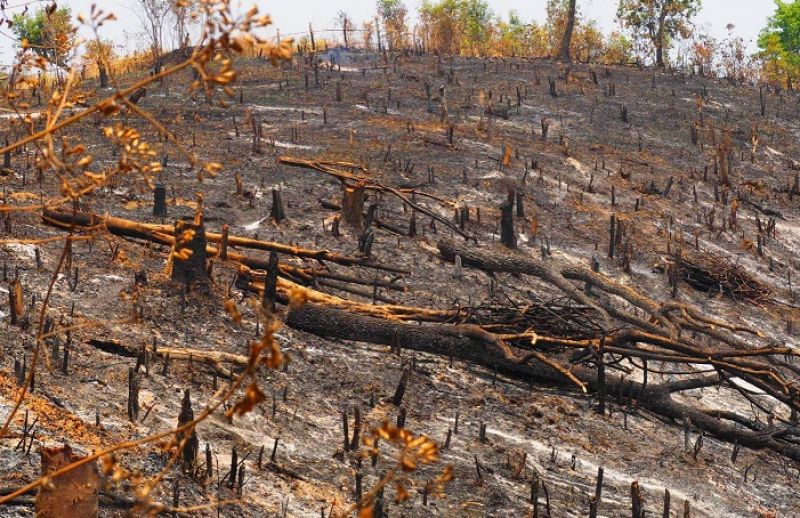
x=507, y=235
x=189, y=254
x=271, y=283
x=160, y=201
x=191, y=445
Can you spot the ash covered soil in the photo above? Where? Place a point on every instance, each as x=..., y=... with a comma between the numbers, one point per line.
x=386, y=121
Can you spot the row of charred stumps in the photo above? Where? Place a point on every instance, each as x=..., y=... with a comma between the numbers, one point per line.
x=698, y=270
x=540, y=498
x=539, y=493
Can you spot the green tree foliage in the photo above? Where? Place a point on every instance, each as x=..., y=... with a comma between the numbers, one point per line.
x=514, y=37
x=468, y=27
x=658, y=20
x=618, y=49
x=48, y=32
x=476, y=18
x=457, y=26
x=394, y=14
x=780, y=43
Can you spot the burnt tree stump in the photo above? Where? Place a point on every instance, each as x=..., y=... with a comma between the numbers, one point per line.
x=71, y=495
x=160, y=201
x=133, y=395
x=187, y=440
x=7, y=157
x=277, y=211
x=137, y=95
x=189, y=253
x=353, y=206
x=507, y=235
x=16, y=303
x=271, y=283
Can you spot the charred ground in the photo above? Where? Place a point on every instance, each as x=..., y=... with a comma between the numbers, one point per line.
x=619, y=143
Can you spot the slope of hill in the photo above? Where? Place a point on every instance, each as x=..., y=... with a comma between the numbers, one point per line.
x=684, y=178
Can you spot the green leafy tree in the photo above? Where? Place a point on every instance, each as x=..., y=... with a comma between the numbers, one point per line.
x=457, y=26
x=617, y=49
x=780, y=43
x=48, y=32
x=394, y=14
x=659, y=20
x=515, y=37
x=439, y=22
x=476, y=18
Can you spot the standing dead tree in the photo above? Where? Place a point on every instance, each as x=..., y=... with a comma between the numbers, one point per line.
x=347, y=27
x=153, y=15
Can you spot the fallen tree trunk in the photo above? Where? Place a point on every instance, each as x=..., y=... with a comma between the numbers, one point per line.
x=458, y=342
x=285, y=288
x=130, y=228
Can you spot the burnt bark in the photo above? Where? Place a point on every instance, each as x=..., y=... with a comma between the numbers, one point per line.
x=189, y=254
x=353, y=206
x=507, y=235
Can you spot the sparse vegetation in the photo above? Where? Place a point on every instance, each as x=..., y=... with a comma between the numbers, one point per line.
x=473, y=266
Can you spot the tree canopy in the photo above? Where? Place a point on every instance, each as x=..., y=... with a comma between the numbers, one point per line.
x=458, y=25
x=780, y=42
x=48, y=32
x=394, y=13
x=658, y=20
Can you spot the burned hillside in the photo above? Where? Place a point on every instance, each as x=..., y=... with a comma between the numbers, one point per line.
x=577, y=280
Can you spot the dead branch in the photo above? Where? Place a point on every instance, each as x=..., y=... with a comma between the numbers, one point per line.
x=214, y=359
x=369, y=183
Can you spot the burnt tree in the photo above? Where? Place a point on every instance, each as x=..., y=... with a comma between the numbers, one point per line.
x=189, y=253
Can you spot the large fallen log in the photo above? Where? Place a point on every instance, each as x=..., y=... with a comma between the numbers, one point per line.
x=556, y=319
x=459, y=342
x=135, y=229
x=628, y=342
